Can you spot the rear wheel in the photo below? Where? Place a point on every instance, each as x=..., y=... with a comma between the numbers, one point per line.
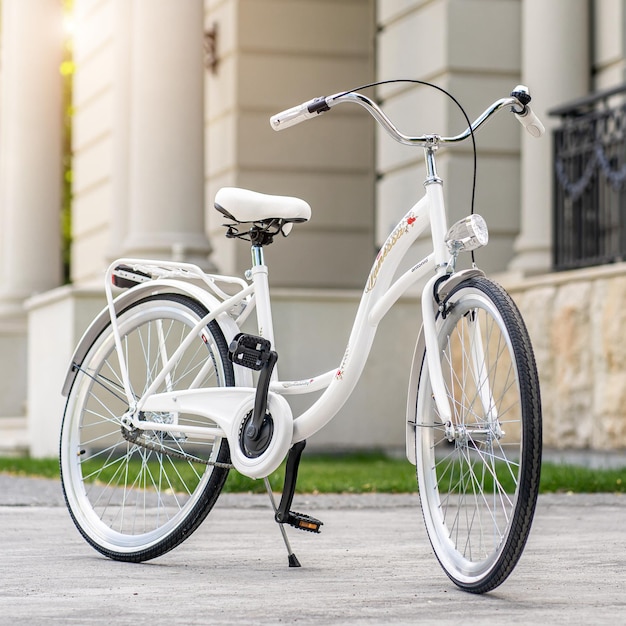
x=134, y=496
x=479, y=473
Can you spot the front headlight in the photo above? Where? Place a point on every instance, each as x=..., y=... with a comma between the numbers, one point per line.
x=467, y=234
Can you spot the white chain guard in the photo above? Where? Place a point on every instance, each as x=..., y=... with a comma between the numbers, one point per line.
x=278, y=448
x=228, y=407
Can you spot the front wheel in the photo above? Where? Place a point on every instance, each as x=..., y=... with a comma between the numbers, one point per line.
x=134, y=496
x=478, y=474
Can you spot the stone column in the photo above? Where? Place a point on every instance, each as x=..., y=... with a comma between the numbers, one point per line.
x=166, y=179
x=30, y=151
x=556, y=67
x=122, y=15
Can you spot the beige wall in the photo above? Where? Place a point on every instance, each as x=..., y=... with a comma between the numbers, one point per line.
x=274, y=54
x=609, y=43
x=471, y=48
x=271, y=55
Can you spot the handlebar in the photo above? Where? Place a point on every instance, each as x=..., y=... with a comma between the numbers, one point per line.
x=518, y=101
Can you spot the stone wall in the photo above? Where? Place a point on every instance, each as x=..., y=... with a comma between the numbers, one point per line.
x=577, y=322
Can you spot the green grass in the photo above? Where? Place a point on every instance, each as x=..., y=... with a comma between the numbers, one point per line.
x=570, y=478
x=25, y=466
x=365, y=473
x=352, y=473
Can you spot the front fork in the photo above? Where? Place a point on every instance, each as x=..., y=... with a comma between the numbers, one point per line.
x=477, y=355
x=432, y=351
x=427, y=351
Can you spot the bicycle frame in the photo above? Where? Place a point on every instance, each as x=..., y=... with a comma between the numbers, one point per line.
x=224, y=405
x=228, y=406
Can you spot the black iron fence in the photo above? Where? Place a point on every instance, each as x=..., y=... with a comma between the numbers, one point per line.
x=590, y=181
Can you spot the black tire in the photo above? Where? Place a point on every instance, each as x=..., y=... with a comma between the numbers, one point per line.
x=479, y=475
x=132, y=503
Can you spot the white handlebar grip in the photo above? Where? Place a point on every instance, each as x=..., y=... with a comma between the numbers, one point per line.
x=531, y=122
x=291, y=117
x=297, y=114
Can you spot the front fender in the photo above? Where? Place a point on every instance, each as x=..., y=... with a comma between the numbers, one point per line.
x=418, y=360
x=243, y=377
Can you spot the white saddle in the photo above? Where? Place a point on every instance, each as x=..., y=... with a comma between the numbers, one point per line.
x=243, y=205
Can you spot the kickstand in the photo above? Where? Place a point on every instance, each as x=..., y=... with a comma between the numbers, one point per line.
x=293, y=559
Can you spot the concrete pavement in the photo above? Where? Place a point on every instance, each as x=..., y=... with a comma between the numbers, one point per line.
x=372, y=564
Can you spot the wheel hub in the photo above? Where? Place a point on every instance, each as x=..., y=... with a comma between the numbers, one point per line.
x=463, y=435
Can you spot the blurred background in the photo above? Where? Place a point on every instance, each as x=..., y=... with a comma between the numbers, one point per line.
x=120, y=119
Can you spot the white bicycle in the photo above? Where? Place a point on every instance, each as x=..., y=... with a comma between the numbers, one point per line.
x=162, y=401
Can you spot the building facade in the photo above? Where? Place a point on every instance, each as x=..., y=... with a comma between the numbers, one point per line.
x=171, y=101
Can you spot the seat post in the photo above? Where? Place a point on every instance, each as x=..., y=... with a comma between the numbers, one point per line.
x=257, y=255
x=259, y=275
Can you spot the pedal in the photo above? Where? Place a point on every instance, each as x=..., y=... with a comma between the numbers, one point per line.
x=249, y=351
x=303, y=522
